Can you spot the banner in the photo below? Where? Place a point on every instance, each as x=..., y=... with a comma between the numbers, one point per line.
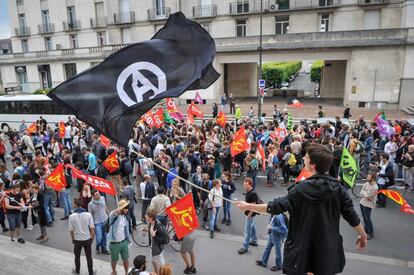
x=57, y=179
x=99, y=184
x=158, y=118
x=183, y=216
x=348, y=167
x=111, y=163
x=149, y=118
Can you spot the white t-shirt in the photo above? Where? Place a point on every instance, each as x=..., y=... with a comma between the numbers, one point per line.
x=142, y=186
x=80, y=223
x=67, y=132
x=120, y=230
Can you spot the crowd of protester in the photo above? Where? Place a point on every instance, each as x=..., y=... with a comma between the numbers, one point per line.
x=199, y=153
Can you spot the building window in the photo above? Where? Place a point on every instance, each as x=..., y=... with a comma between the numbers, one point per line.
x=48, y=43
x=70, y=70
x=101, y=39
x=25, y=46
x=71, y=14
x=325, y=3
x=126, y=35
x=21, y=74
x=282, y=24
x=372, y=19
x=241, y=27
x=206, y=26
x=284, y=4
x=73, y=41
x=22, y=20
x=324, y=22
x=19, y=2
x=159, y=7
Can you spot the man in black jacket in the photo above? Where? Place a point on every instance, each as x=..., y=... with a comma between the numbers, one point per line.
x=315, y=206
x=385, y=178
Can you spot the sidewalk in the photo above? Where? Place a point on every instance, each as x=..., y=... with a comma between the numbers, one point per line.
x=218, y=256
x=331, y=108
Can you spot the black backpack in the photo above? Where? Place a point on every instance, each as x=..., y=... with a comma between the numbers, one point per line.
x=165, y=237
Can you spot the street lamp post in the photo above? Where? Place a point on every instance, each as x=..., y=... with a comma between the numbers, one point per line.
x=259, y=99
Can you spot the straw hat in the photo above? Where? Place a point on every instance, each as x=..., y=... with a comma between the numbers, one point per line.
x=122, y=204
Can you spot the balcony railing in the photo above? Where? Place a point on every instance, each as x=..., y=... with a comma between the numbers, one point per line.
x=158, y=14
x=46, y=28
x=72, y=25
x=205, y=11
x=246, y=7
x=124, y=17
x=98, y=22
x=372, y=2
x=22, y=31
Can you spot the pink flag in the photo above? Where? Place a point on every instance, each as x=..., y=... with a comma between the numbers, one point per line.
x=177, y=116
x=198, y=99
x=384, y=128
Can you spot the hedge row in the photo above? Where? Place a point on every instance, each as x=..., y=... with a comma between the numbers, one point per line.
x=316, y=70
x=276, y=73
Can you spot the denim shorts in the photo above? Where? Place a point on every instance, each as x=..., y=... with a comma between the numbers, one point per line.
x=15, y=221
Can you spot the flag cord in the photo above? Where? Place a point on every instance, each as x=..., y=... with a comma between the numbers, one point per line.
x=190, y=183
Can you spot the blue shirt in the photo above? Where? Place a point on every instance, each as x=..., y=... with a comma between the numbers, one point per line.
x=171, y=176
x=92, y=161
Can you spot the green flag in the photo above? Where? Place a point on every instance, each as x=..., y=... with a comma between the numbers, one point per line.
x=348, y=167
x=167, y=118
x=289, y=122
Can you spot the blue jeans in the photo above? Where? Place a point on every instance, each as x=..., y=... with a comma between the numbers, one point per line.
x=100, y=236
x=213, y=217
x=253, y=175
x=48, y=206
x=277, y=243
x=65, y=201
x=249, y=232
x=270, y=174
x=366, y=215
x=226, y=209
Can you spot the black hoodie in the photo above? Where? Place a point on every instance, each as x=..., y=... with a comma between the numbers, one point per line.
x=315, y=206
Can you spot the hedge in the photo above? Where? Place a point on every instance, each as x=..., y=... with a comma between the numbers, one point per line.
x=42, y=91
x=277, y=72
x=316, y=70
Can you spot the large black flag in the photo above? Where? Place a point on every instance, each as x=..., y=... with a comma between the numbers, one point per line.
x=114, y=94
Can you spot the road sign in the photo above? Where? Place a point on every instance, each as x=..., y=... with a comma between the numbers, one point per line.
x=262, y=83
x=10, y=90
x=261, y=92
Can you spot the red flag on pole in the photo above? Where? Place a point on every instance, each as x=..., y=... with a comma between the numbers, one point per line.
x=62, y=129
x=32, y=128
x=262, y=154
x=195, y=110
x=111, y=163
x=183, y=216
x=159, y=118
x=105, y=141
x=239, y=143
x=96, y=182
x=57, y=179
x=149, y=118
x=222, y=119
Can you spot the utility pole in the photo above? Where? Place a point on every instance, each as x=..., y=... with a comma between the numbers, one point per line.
x=259, y=98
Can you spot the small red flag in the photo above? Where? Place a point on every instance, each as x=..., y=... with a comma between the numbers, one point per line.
x=304, y=174
x=279, y=134
x=159, y=118
x=149, y=118
x=32, y=128
x=98, y=183
x=239, y=143
x=293, y=102
x=57, y=179
x=172, y=108
x=262, y=154
x=62, y=129
x=111, y=163
x=183, y=216
x=222, y=119
x=105, y=141
x=195, y=110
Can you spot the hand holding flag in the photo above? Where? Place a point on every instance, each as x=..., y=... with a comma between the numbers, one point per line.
x=57, y=179
x=111, y=163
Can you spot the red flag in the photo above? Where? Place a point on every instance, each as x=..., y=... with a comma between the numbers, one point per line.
x=105, y=141
x=198, y=99
x=293, y=102
x=57, y=179
x=304, y=174
x=111, y=163
x=172, y=108
x=262, y=154
x=62, y=129
x=190, y=118
x=96, y=182
x=222, y=119
x=149, y=118
x=32, y=128
x=239, y=143
x=159, y=118
x=183, y=216
x=406, y=208
x=279, y=134
x=394, y=195
x=195, y=110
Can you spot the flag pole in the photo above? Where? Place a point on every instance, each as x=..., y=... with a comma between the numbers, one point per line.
x=189, y=182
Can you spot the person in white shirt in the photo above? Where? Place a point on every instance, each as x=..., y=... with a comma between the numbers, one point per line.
x=216, y=201
x=82, y=232
x=391, y=149
x=67, y=137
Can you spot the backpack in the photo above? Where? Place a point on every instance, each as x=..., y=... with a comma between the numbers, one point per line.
x=107, y=225
x=359, y=148
x=23, y=145
x=187, y=166
x=292, y=159
x=275, y=160
x=165, y=237
x=126, y=167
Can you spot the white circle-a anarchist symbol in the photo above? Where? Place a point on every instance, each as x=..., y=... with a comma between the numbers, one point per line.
x=137, y=77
